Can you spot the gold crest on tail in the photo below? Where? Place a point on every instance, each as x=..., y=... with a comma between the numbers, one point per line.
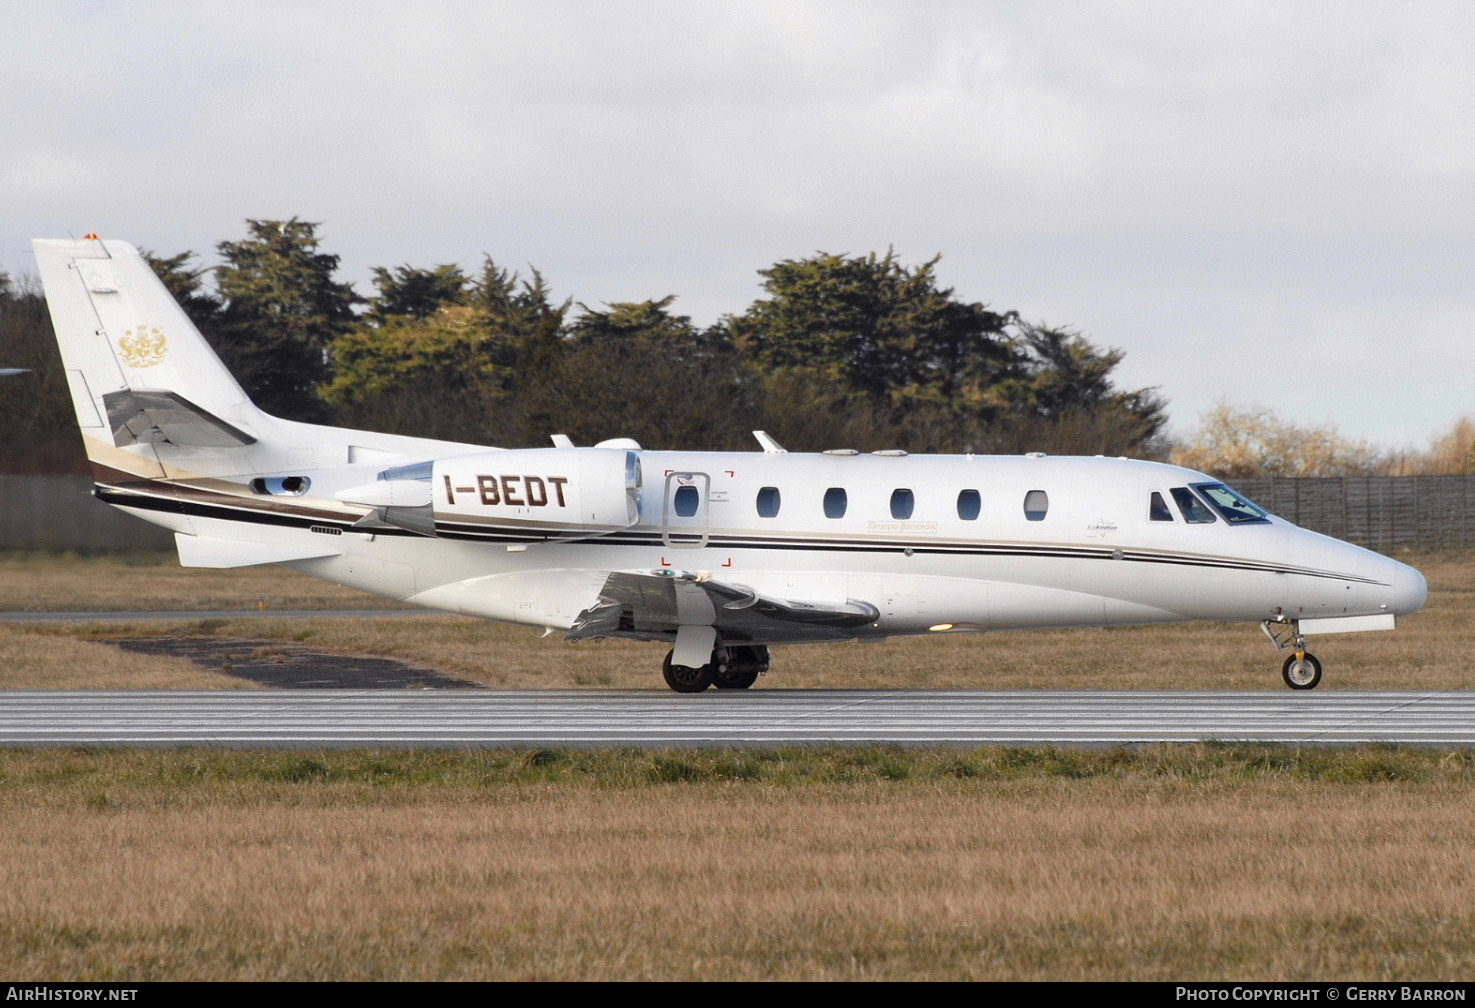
x=143, y=347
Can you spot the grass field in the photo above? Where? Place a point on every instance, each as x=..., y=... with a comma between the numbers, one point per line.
x=1190, y=862
x=1167, y=863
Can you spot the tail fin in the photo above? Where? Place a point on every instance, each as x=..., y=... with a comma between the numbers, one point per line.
x=139, y=371
x=152, y=398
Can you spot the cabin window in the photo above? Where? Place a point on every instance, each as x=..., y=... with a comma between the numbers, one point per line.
x=1036, y=504
x=685, y=501
x=1235, y=509
x=835, y=502
x=1157, y=508
x=970, y=503
x=902, y=504
x=1195, y=511
x=768, y=502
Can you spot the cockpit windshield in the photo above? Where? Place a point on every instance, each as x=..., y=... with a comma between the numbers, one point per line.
x=1195, y=512
x=1236, y=509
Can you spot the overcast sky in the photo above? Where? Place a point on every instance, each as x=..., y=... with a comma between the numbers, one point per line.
x=1267, y=204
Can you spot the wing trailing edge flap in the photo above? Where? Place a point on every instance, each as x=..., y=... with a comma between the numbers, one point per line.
x=652, y=606
x=208, y=551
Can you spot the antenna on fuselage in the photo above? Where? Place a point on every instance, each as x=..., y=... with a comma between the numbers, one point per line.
x=768, y=444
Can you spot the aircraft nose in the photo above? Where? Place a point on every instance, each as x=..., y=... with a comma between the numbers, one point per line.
x=1408, y=589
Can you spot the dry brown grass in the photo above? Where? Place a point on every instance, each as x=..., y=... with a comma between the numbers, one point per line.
x=32, y=661
x=1433, y=649
x=1024, y=879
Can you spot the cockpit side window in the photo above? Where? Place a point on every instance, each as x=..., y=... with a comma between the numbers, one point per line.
x=1157, y=508
x=1195, y=511
x=1235, y=509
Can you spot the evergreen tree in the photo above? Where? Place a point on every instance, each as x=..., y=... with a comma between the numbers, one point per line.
x=868, y=349
x=35, y=406
x=523, y=313
x=636, y=370
x=443, y=376
x=875, y=326
x=410, y=292
x=282, y=311
x=439, y=355
x=1061, y=397
x=186, y=283
x=643, y=325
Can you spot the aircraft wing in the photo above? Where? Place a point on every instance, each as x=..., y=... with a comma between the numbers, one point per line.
x=651, y=606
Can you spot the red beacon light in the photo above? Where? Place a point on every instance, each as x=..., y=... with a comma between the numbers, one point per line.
x=91, y=236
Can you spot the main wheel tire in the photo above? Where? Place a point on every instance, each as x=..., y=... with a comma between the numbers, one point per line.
x=1301, y=673
x=739, y=666
x=734, y=678
x=684, y=678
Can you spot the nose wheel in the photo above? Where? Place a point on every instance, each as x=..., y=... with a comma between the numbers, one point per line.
x=1301, y=669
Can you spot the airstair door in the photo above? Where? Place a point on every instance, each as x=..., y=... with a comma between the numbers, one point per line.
x=684, y=511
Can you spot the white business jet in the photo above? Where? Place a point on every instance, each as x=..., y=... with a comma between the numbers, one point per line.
x=717, y=555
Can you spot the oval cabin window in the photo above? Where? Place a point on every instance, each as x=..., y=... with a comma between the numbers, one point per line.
x=835, y=502
x=970, y=503
x=685, y=501
x=1036, y=504
x=902, y=504
x=768, y=502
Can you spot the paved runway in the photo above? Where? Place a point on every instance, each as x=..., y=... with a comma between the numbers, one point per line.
x=489, y=718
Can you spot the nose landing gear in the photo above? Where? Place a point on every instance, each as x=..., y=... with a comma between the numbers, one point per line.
x=1302, y=669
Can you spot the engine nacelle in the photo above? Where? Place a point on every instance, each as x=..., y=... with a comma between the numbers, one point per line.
x=558, y=493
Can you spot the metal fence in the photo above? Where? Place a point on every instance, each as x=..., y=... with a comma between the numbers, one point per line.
x=59, y=513
x=1382, y=512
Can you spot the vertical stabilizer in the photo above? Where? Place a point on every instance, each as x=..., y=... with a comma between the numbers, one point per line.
x=152, y=398
x=139, y=371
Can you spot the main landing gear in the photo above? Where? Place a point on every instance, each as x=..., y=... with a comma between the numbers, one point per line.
x=1302, y=669
x=736, y=666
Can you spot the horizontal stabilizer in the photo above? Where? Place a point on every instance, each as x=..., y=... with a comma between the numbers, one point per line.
x=206, y=551
x=133, y=413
